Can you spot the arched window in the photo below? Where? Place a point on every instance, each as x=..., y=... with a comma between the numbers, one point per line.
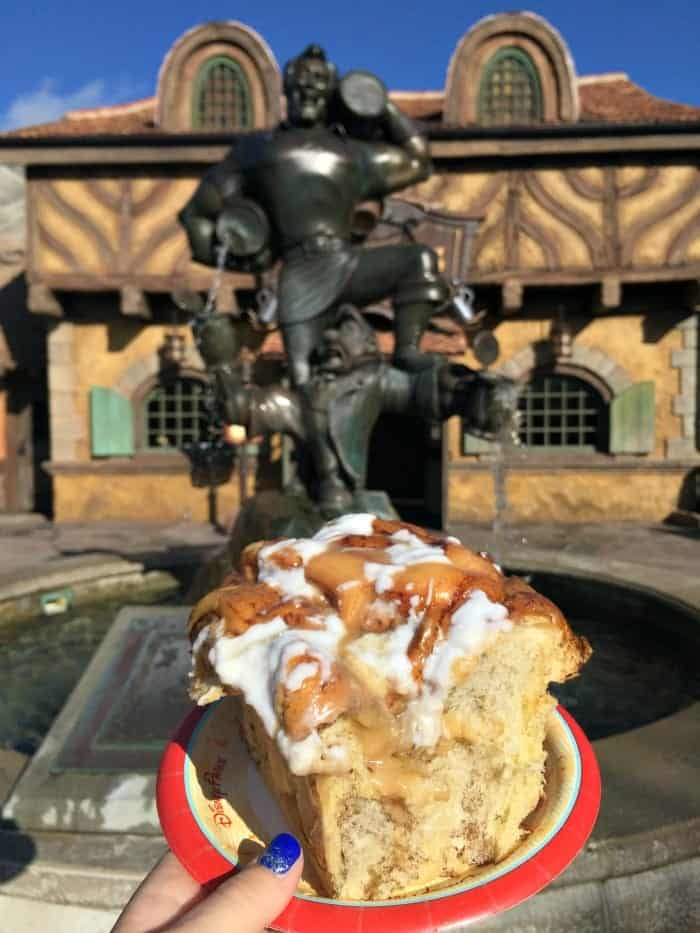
x=222, y=99
x=562, y=411
x=509, y=92
x=173, y=413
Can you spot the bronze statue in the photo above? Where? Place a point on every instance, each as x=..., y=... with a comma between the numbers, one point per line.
x=292, y=195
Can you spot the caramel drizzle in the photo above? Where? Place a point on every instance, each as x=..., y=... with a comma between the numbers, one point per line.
x=241, y=602
x=437, y=618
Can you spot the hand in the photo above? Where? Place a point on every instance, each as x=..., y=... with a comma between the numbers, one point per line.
x=169, y=899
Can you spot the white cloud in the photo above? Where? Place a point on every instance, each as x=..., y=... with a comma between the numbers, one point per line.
x=48, y=102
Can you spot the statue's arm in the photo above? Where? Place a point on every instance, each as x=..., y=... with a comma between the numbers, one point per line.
x=219, y=185
x=485, y=402
x=401, y=159
x=402, y=393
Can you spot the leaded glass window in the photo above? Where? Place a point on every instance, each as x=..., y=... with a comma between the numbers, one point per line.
x=222, y=99
x=561, y=411
x=175, y=414
x=510, y=90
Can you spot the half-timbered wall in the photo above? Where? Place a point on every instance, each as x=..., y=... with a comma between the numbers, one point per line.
x=107, y=232
x=537, y=226
x=567, y=225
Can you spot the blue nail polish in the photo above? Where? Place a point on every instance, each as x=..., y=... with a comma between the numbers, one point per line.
x=281, y=854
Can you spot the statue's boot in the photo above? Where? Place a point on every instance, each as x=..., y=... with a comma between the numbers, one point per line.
x=334, y=497
x=414, y=305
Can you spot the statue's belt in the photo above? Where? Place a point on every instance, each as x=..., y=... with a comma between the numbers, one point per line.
x=315, y=245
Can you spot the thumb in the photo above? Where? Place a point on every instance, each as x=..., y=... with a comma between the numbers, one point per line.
x=251, y=899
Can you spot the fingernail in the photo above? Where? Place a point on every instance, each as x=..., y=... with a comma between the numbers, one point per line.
x=281, y=854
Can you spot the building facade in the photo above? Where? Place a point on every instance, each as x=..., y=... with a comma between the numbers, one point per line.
x=571, y=205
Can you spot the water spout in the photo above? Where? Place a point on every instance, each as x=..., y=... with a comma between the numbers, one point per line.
x=222, y=251
x=505, y=443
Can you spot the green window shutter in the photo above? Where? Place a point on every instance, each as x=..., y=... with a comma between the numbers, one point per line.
x=111, y=424
x=632, y=420
x=471, y=444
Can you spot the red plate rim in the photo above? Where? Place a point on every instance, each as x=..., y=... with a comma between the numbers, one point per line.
x=306, y=914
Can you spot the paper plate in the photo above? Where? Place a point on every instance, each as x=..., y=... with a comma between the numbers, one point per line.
x=215, y=809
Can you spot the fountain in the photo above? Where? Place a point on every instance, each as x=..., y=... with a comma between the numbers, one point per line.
x=345, y=142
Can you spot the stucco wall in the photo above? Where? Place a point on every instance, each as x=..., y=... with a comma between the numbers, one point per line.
x=622, y=340
x=113, y=354
x=101, y=354
x=140, y=497
x=566, y=496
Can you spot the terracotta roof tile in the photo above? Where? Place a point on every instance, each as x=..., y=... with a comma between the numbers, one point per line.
x=420, y=105
x=617, y=99
x=604, y=98
x=119, y=120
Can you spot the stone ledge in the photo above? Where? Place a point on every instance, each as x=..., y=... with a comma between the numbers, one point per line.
x=669, y=897
x=65, y=572
x=22, y=523
x=685, y=357
x=87, y=579
x=67, y=868
x=679, y=447
x=27, y=916
x=616, y=857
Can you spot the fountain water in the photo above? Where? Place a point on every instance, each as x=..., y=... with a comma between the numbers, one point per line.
x=504, y=412
x=222, y=252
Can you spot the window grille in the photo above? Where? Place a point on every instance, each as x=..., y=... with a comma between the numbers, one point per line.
x=510, y=89
x=559, y=411
x=222, y=99
x=175, y=414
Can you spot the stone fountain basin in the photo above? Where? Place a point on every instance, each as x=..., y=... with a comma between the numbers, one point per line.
x=83, y=831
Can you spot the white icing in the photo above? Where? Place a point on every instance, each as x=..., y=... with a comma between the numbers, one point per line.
x=309, y=755
x=263, y=657
x=357, y=523
x=383, y=611
x=259, y=659
x=409, y=549
x=200, y=638
x=295, y=678
x=290, y=582
x=243, y=662
x=382, y=575
x=307, y=548
x=303, y=755
x=422, y=721
x=385, y=653
x=473, y=626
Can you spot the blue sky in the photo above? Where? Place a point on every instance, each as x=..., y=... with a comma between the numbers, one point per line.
x=83, y=53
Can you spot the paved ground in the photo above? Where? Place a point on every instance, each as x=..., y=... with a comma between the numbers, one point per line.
x=28, y=542
x=32, y=542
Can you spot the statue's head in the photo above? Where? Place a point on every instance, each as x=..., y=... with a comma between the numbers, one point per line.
x=349, y=343
x=309, y=83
